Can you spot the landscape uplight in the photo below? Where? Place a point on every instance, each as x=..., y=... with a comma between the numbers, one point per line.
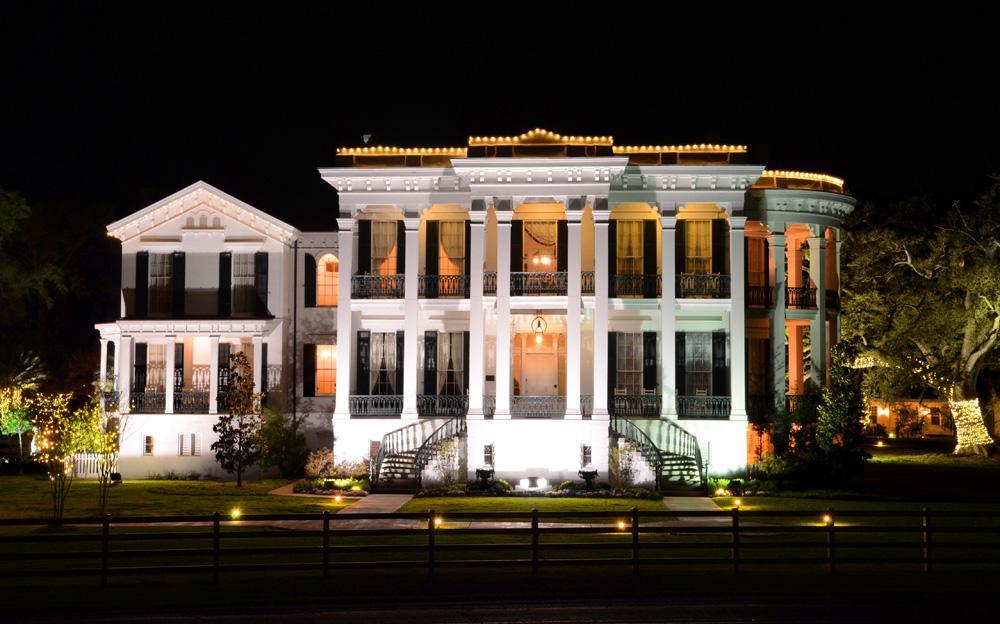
x=738, y=502
x=621, y=525
x=438, y=520
x=235, y=513
x=827, y=519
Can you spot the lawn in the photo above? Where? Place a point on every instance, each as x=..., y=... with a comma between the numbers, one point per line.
x=473, y=504
x=29, y=497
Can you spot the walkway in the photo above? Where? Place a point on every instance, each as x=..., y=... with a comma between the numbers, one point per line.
x=377, y=503
x=680, y=504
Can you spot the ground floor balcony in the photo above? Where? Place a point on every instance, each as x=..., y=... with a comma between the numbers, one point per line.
x=707, y=407
x=431, y=405
x=635, y=405
x=800, y=297
x=377, y=406
x=702, y=286
x=760, y=296
x=148, y=402
x=191, y=401
x=377, y=287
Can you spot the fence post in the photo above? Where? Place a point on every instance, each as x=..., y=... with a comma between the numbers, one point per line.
x=736, y=540
x=534, y=542
x=635, y=540
x=430, y=543
x=326, y=543
x=927, y=539
x=831, y=566
x=216, y=534
x=105, y=547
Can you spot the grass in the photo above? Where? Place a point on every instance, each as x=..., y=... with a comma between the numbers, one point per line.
x=29, y=497
x=472, y=504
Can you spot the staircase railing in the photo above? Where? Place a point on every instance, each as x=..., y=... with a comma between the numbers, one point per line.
x=451, y=428
x=680, y=441
x=395, y=442
x=650, y=452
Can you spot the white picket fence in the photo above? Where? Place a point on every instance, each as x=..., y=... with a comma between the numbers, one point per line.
x=85, y=465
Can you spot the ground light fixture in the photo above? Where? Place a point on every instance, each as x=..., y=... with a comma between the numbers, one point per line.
x=235, y=513
x=621, y=525
x=737, y=503
x=438, y=520
x=337, y=498
x=827, y=519
x=721, y=492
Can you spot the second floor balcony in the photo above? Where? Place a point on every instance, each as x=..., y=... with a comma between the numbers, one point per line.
x=444, y=286
x=702, y=286
x=377, y=287
x=644, y=286
x=538, y=283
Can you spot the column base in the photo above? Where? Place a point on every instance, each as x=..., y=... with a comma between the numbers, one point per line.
x=573, y=414
x=738, y=414
x=600, y=413
x=409, y=413
x=341, y=415
x=475, y=413
x=669, y=414
x=500, y=414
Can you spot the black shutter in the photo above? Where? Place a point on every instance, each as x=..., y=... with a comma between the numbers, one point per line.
x=431, y=260
x=364, y=247
x=468, y=249
x=516, y=253
x=177, y=279
x=720, y=372
x=362, y=380
x=649, y=376
x=746, y=271
x=260, y=281
x=720, y=243
x=225, y=284
x=612, y=258
x=263, y=367
x=139, y=366
x=142, y=284
x=680, y=364
x=399, y=362
x=225, y=360
x=562, y=246
x=465, y=362
x=680, y=243
x=649, y=227
x=178, y=371
x=308, y=370
x=430, y=362
x=309, y=287
x=400, y=248
x=612, y=365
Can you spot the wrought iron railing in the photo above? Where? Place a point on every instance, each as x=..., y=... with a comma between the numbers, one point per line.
x=490, y=283
x=587, y=283
x=796, y=402
x=643, y=286
x=191, y=402
x=704, y=406
x=452, y=428
x=833, y=299
x=442, y=405
x=377, y=287
x=148, y=402
x=527, y=283
x=800, y=297
x=537, y=406
x=702, y=286
x=376, y=405
x=636, y=405
x=434, y=286
x=759, y=406
x=587, y=405
x=489, y=405
x=109, y=399
x=624, y=428
x=760, y=296
x=408, y=438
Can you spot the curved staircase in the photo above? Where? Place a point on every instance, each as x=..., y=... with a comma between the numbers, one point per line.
x=675, y=457
x=405, y=452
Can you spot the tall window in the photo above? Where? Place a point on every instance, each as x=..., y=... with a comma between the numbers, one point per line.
x=756, y=269
x=160, y=270
x=244, y=293
x=629, y=247
x=156, y=367
x=384, y=247
x=326, y=369
x=698, y=363
x=629, y=364
x=450, y=364
x=147, y=445
x=327, y=280
x=540, y=246
x=698, y=247
x=383, y=363
x=451, y=252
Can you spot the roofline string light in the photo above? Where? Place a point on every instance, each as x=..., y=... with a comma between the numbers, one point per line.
x=804, y=175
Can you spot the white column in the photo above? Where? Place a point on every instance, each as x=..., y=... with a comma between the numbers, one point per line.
x=737, y=320
x=601, y=215
x=504, y=213
x=477, y=323
x=213, y=374
x=668, y=319
x=258, y=363
x=345, y=359
x=574, y=303
x=817, y=326
x=411, y=318
x=123, y=370
x=777, y=253
x=103, y=373
x=168, y=377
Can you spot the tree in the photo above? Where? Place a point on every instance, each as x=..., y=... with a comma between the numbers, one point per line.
x=14, y=416
x=840, y=413
x=239, y=429
x=283, y=446
x=59, y=435
x=922, y=295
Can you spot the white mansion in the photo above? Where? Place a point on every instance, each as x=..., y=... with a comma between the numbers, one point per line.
x=534, y=298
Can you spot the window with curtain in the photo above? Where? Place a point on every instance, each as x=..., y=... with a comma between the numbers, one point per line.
x=383, y=363
x=698, y=247
x=160, y=271
x=244, y=293
x=629, y=363
x=756, y=269
x=327, y=280
x=326, y=369
x=698, y=363
x=156, y=367
x=384, y=247
x=451, y=252
x=450, y=364
x=629, y=248
x=540, y=246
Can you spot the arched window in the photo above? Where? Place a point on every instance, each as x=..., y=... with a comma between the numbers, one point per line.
x=327, y=280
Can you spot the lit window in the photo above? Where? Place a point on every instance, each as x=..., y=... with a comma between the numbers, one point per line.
x=628, y=248
x=540, y=246
x=698, y=363
x=698, y=247
x=383, y=364
x=244, y=288
x=326, y=369
x=586, y=456
x=451, y=248
x=450, y=361
x=629, y=363
x=488, y=455
x=160, y=271
x=384, y=247
x=327, y=280
x=147, y=445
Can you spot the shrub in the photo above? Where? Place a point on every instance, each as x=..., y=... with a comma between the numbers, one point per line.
x=875, y=430
x=283, y=446
x=319, y=463
x=323, y=485
x=620, y=467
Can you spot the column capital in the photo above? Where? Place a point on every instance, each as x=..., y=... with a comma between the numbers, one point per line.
x=817, y=242
x=601, y=217
x=504, y=218
x=477, y=218
x=737, y=223
x=574, y=217
x=345, y=224
x=776, y=240
x=412, y=224
x=668, y=223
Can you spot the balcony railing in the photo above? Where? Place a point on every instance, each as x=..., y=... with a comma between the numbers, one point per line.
x=377, y=287
x=490, y=283
x=797, y=297
x=537, y=406
x=636, y=405
x=704, y=406
x=587, y=405
x=489, y=405
x=587, y=283
x=644, y=286
x=110, y=399
x=525, y=283
x=434, y=286
x=833, y=299
x=442, y=405
x=759, y=406
x=760, y=296
x=376, y=405
x=702, y=286
x=147, y=402
x=191, y=401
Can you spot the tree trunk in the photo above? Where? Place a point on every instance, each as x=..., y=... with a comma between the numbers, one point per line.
x=972, y=437
x=239, y=477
